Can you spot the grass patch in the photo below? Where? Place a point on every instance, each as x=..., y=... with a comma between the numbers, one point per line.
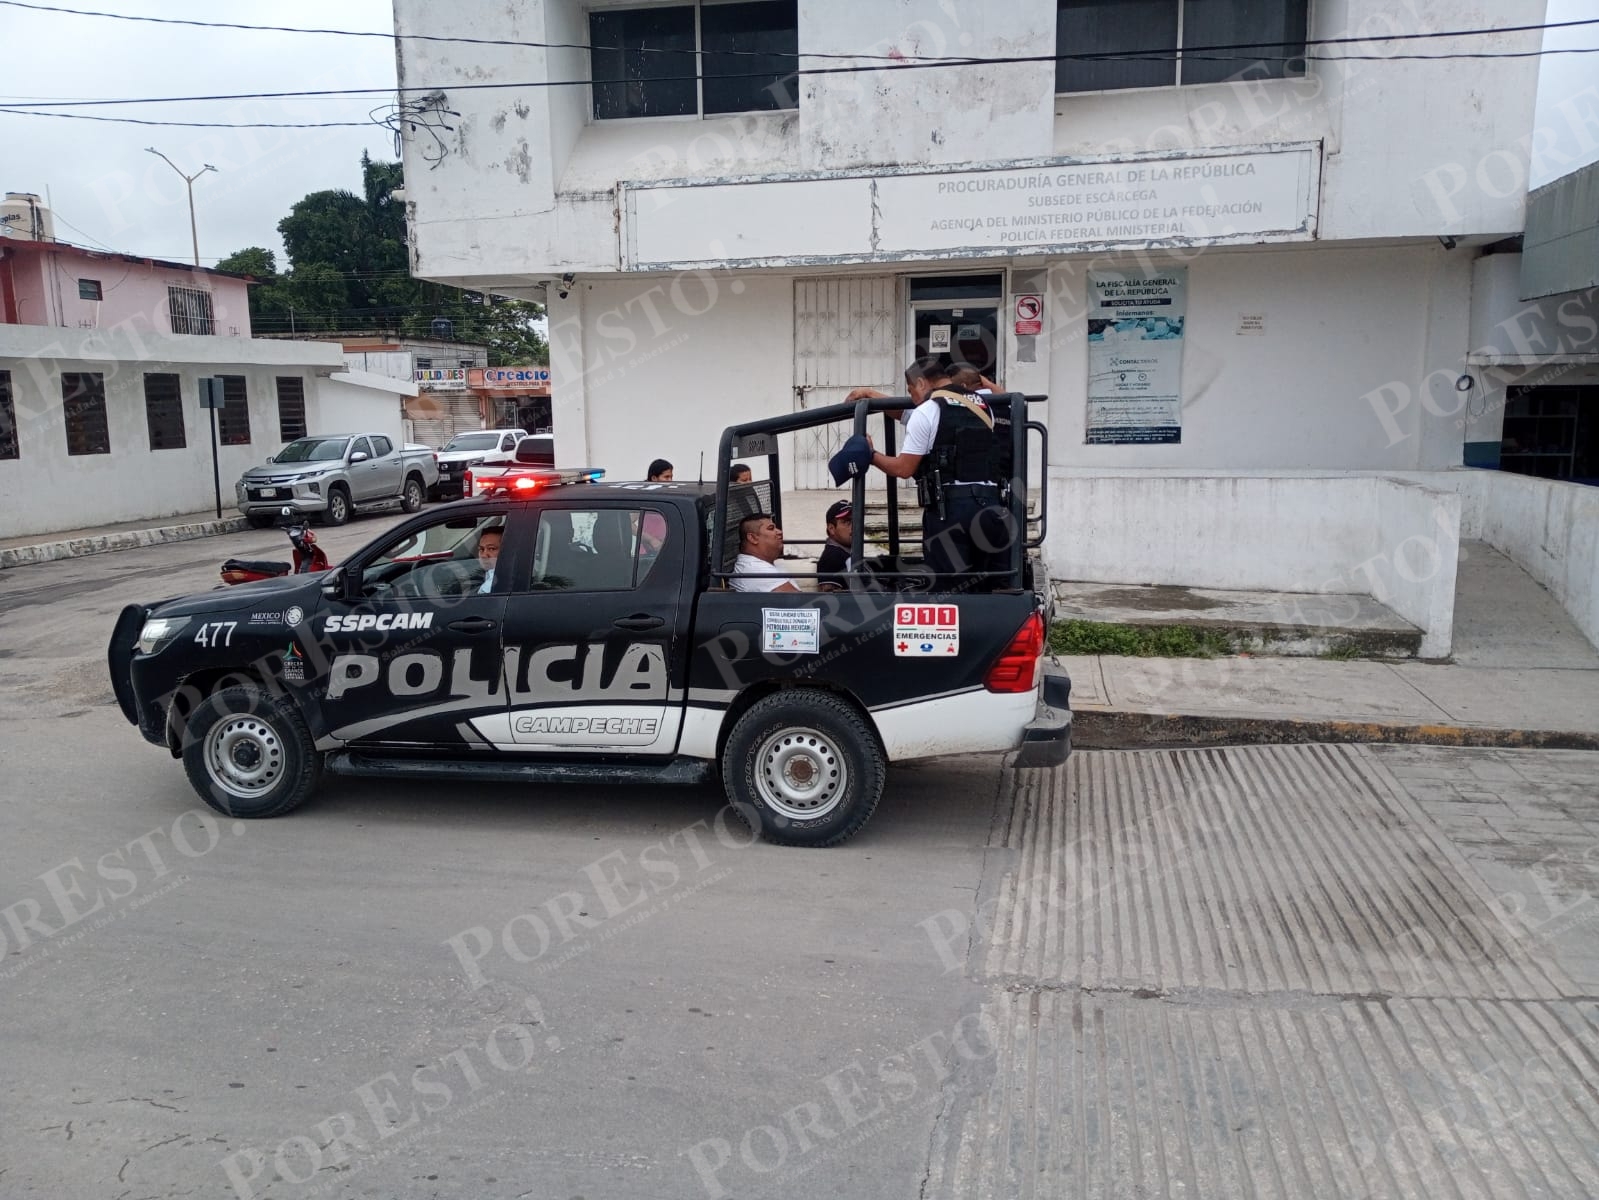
x=1342, y=651
x=1137, y=641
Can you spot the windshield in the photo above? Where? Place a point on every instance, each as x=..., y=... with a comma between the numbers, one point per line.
x=313, y=450
x=474, y=441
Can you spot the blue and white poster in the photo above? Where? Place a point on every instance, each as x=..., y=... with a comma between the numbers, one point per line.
x=1135, y=356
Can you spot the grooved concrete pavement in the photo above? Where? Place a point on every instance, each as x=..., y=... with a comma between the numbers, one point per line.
x=1269, y=972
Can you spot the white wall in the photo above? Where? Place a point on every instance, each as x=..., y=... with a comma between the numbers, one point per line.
x=1336, y=381
x=658, y=367
x=523, y=186
x=1394, y=540
x=46, y=490
x=339, y=407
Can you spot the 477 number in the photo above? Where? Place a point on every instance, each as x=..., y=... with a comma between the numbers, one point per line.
x=212, y=635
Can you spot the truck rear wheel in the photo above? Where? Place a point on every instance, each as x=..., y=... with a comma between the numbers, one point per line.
x=249, y=754
x=411, y=497
x=807, y=765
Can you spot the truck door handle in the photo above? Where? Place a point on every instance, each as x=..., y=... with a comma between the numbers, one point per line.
x=473, y=625
x=639, y=621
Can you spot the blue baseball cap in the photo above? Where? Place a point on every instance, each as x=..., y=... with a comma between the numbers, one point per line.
x=852, y=459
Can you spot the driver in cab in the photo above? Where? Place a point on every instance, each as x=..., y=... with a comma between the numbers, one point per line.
x=488, y=557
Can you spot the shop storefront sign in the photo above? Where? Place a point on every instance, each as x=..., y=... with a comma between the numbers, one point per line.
x=509, y=379
x=441, y=379
x=1135, y=355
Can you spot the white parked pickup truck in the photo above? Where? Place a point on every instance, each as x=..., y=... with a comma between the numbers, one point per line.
x=334, y=476
x=467, y=450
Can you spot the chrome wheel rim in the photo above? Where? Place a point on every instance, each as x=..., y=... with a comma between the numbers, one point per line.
x=336, y=506
x=244, y=756
x=801, y=774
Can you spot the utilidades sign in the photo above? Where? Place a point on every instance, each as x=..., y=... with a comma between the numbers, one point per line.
x=1070, y=205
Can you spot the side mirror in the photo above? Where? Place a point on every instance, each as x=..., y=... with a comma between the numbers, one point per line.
x=357, y=457
x=346, y=585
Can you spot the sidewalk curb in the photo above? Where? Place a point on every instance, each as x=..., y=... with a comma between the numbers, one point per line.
x=1099, y=729
x=21, y=556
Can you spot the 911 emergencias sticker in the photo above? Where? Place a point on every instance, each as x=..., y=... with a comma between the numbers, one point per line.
x=923, y=630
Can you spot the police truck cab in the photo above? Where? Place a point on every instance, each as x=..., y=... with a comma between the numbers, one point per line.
x=577, y=629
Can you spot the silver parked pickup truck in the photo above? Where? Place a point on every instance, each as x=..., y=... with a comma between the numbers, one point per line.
x=334, y=476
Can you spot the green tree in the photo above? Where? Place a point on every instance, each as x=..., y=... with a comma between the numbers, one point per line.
x=349, y=271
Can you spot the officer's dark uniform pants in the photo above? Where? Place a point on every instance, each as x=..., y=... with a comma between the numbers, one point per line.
x=972, y=535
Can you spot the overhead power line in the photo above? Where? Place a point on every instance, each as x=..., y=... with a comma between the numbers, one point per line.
x=893, y=58
x=432, y=37
x=1218, y=53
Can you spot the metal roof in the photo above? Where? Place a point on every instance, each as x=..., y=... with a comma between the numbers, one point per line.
x=1560, y=251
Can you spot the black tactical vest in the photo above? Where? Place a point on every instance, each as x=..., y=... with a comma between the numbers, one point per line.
x=965, y=447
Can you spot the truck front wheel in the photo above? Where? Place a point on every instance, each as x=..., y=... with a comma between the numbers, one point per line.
x=807, y=766
x=338, y=509
x=249, y=754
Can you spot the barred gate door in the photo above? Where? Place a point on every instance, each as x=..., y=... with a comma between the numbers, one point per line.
x=844, y=337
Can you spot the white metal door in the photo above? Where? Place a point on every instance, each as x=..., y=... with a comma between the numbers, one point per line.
x=844, y=337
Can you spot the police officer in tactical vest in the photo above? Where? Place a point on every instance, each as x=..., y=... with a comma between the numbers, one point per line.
x=960, y=468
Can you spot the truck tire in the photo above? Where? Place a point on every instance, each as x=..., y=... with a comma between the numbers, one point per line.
x=249, y=754
x=411, y=497
x=338, y=510
x=806, y=765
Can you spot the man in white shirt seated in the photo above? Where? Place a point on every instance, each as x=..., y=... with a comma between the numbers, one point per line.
x=760, y=545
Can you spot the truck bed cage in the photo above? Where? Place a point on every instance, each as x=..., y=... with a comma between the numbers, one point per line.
x=755, y=439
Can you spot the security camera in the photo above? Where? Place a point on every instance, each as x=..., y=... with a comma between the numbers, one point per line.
x=566, y=285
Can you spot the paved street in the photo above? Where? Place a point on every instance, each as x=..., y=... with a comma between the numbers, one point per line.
x=1273, y=971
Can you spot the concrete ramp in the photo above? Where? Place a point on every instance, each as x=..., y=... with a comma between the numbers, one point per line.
x=1506, y=618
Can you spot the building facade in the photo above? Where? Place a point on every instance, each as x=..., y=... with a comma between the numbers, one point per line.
x=1219, y=263
x=100, y=360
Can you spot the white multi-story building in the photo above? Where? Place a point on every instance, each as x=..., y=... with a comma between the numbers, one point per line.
x=1244, y=275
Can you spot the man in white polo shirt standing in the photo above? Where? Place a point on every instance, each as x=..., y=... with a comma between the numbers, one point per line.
x=760, y=545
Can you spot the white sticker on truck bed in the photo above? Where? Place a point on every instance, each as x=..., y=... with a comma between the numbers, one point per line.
x=927, y=630
x=791, y=630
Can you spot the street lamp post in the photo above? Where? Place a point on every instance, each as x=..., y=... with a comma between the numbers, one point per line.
x=194, y=234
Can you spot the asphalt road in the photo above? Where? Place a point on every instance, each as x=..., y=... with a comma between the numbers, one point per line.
x=273, y=1008
x=1272, y=971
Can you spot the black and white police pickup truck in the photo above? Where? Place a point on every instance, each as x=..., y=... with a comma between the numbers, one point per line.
x=586, y=631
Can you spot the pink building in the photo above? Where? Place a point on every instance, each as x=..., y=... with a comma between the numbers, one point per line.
x=53, y=283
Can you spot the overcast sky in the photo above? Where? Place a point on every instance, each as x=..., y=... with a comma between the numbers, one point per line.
x=106, y=190
x=111, y=192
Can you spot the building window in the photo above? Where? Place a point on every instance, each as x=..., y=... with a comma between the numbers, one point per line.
x=233, y=418
x=8, y=419
x=751, y=52
x=89, y=289
x=83, y=402
x=291, y=407
x=163, y=410
x=190, y=310
x=424, y=364
x=1168, y=39
x=644, y=61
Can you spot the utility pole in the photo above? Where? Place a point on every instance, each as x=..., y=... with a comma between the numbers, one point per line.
x=194, y=235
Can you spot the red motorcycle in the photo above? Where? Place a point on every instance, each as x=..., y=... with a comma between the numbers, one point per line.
x=309, y=558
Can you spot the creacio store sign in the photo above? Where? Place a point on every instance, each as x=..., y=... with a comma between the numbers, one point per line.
x=1261, y=196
